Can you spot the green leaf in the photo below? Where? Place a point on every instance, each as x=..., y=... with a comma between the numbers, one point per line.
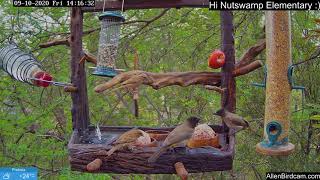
x=316, y=126
x=315, y=117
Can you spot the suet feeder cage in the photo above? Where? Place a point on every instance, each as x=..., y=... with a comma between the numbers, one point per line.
x=108, y=43
x=23, y=66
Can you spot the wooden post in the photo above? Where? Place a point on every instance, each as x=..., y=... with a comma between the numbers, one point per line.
x=278, y=89
x=228, y=99
x=80, y=110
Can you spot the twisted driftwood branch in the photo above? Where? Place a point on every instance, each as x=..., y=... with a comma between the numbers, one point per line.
x=133, y=79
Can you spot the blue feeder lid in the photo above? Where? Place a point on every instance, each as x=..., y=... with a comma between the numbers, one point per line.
x=116, y=14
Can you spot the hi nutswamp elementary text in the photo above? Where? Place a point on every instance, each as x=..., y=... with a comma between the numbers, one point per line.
x=264, y=5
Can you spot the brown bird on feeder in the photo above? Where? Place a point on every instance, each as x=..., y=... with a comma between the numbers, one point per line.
x=178, y=135
x=233, y=121
x=125, y=140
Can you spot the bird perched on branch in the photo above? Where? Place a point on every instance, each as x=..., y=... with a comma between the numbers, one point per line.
x=125, y=140
x=178, y=135
x=233, y=121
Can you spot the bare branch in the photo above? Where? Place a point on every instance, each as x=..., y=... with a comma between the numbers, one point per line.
x=147, y=23
x=248, y=68
x=215, y=88
x=55, y=42
x=251, y=53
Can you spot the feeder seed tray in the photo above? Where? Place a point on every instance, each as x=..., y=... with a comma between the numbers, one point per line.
x=204, y=159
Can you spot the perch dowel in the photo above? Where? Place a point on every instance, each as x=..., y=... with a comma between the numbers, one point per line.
x=89, y=58
x=70, y=89
x=181, y=170
x=215, y=88
x=277, y=105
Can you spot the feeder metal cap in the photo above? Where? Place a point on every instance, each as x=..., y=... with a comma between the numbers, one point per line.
x=116, y=14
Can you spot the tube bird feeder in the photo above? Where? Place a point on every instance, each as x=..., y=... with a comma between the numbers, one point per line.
x=278, y=88
x=108, y=43
x=23, y=66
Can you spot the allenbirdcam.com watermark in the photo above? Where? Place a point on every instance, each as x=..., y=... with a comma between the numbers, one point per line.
x=264, y=5
x=292, y=175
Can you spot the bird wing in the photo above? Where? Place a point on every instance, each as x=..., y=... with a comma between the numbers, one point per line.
x=237, y=120
x=177, y=135
x=180, y=133
x=128, y=137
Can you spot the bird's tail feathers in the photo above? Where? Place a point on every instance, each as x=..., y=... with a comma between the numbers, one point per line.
x=156, y=155
x=115, y=148
x=247, y=123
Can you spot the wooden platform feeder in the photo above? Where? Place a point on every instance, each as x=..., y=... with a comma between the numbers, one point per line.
x=124, y=162
x=194, y=160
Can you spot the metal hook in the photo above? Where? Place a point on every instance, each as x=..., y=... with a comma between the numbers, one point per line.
x=263, y=84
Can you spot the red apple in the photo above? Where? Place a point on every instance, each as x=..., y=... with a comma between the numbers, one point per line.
x=216, y=59
x=42, y=76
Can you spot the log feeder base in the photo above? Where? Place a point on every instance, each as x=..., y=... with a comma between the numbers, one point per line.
x=195, y=160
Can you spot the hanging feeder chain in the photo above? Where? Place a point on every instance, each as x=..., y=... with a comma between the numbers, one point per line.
x=62, y=84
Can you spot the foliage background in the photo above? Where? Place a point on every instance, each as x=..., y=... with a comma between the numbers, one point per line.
x=35, y=123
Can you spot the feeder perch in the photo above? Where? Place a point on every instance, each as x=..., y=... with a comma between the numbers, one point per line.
x=70, y=89
x=23, y=66
x=291, y=81
x=290, y=78
x=263, y=84
x=108, y=43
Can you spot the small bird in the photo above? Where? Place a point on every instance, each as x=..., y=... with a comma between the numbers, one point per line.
x=178, y=135
x=233, y=121
x=125, y=140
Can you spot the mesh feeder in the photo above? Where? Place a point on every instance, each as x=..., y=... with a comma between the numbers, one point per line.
x=22, y=66
x=25, y=67
x=108, y=43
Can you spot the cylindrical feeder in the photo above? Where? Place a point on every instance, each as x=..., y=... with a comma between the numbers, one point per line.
x=108, y=43
x=22, y=66
x=278, y=89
